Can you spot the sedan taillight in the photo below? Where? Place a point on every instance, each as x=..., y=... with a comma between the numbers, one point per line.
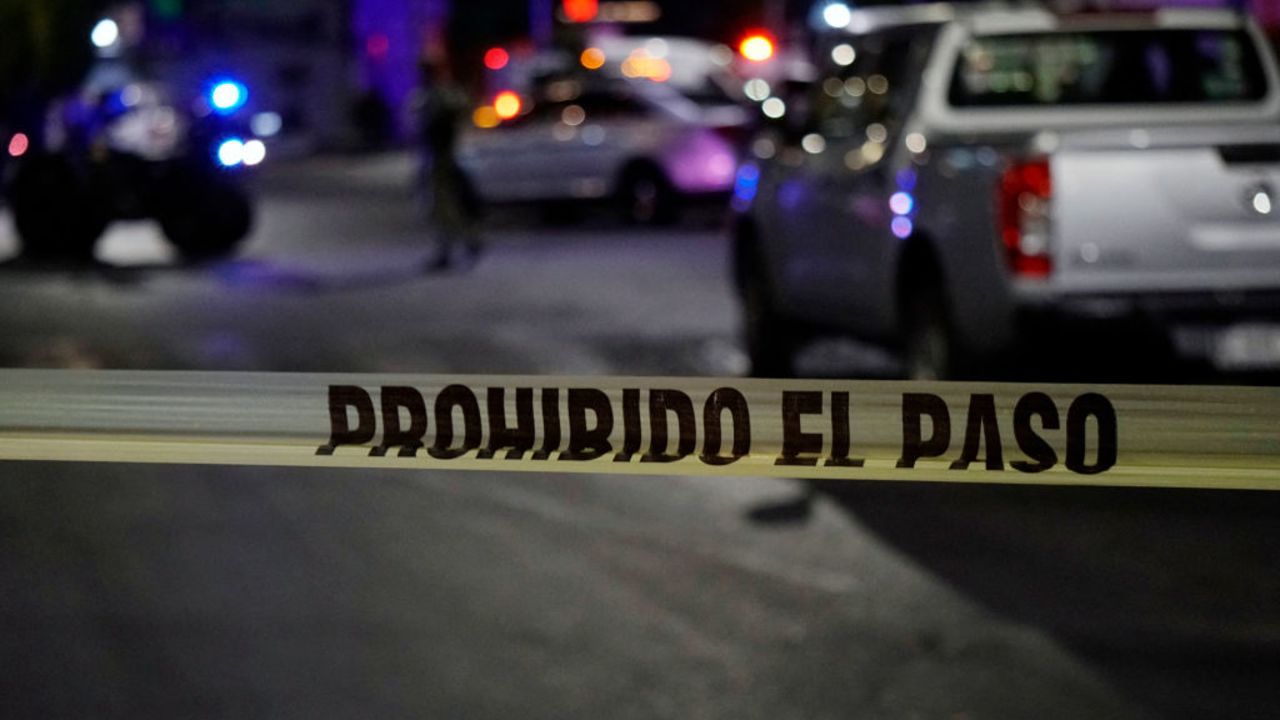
x=1023, y=207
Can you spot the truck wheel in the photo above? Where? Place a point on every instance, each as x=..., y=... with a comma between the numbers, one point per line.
x=646, y=198
x=54, y=210
x=207, y=221
x=769, y=341
x=928, y=344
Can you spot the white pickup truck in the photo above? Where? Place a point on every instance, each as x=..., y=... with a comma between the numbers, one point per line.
x=959, y=176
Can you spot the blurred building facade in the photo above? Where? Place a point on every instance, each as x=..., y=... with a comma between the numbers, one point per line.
x=391, y=37
x=342, y=71
x=292, y=55
x=331, y=69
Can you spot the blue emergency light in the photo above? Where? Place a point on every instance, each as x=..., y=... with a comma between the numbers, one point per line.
x=227, y=96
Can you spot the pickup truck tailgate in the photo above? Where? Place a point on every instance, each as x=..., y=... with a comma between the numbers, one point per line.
x=1172, y=210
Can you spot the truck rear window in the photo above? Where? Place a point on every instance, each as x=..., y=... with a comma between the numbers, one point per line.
x=1108, y=68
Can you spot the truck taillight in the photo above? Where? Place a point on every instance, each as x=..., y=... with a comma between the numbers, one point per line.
x=1024, y=213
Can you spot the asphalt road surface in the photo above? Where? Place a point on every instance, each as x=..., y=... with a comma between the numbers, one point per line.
x=131, y=591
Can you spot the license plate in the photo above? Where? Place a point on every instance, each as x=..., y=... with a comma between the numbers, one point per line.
x=1248, y=347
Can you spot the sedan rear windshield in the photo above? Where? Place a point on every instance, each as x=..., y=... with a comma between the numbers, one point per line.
x=1108, y=68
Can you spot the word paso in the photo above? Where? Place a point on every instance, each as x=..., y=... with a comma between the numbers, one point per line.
x=670, y=426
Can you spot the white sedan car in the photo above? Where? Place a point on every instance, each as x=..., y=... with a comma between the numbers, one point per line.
x=638, y=142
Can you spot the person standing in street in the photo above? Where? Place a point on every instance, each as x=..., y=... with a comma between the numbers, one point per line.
x=449, y=211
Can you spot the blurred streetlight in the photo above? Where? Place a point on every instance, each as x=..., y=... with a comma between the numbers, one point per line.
x=105, y=34
x=507, y=104
x=837, y=15
x=756, y=47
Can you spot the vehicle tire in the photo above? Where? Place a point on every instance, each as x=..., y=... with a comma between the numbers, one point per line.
x=57, y=215
x=929, y=349
x=769, y=338
x=206, y=220
x=645, y=197
x=558, y=213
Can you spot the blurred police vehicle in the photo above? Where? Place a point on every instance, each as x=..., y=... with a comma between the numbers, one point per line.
x=124, y=147
x=960, y=176
x=631, y=123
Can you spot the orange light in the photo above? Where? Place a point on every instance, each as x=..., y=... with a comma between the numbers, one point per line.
x=507, y=104
x=592, y=58
x=485, y=117
x=641, y=65
x=756, y=47
x=580, y=11
x=495, y=58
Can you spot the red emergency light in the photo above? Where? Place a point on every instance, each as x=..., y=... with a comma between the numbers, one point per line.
x=580, y=11
x=496, y=58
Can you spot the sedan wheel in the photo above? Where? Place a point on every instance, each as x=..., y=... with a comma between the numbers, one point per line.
x=647, y=198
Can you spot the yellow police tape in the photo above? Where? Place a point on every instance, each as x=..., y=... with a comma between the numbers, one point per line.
x=1205, y=437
